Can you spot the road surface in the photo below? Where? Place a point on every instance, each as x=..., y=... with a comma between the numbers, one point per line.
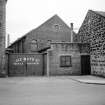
x=49, y=91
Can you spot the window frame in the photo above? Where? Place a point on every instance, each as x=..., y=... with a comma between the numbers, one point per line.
x=34, y=45
x=65, y=60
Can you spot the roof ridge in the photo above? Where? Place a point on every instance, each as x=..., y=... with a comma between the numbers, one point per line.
x=101, y=13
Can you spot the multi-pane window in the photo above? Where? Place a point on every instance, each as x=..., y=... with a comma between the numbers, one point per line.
x=65, y=61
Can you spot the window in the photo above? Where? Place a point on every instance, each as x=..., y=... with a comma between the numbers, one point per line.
x=56, y=27
x=65, y=61
x=34, y=45
x=48, y=42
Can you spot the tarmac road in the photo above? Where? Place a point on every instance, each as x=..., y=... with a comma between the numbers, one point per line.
x=49, y=91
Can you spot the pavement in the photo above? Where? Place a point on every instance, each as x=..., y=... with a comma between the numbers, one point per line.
x=89, y=79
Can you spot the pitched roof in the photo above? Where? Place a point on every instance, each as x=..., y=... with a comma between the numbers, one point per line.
x=50, y=26
x=100, y=13
x=53, y=20
x=18, y=39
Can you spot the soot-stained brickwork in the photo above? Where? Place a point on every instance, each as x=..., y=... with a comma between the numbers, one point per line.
x=92, y=31
x=2, y=34
x=53, y=30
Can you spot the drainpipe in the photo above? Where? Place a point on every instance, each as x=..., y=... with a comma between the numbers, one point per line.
x=8, y=40
x=71, y=24
x=47, y=63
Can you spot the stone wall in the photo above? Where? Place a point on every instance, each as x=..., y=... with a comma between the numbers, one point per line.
x=93, y=31
x=69, y=49
x=98, y=65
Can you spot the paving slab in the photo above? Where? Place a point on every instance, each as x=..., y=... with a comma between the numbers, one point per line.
x=89, y=79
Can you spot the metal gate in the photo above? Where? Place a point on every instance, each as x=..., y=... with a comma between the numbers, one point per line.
x=25, y=64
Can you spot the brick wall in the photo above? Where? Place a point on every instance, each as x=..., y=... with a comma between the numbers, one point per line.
x=92, y=31
x=54, y=30
x=2, y=34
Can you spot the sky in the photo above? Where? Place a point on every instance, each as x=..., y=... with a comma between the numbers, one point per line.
x=25, y=15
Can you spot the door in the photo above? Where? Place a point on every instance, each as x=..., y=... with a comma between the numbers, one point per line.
x=45, y=64
x=16, y=65
x=25, y=64
x=34, y=64
x=85, y=65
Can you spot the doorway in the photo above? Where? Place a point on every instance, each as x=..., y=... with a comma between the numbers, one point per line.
x=85, y=65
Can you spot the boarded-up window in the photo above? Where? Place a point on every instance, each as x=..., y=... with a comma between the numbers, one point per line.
x=65, y=61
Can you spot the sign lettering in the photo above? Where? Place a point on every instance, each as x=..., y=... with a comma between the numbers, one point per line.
x=27, y=60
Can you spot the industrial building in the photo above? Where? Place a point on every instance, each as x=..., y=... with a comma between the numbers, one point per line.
x=48, y=50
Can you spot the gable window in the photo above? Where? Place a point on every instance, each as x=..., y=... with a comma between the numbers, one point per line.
x=65, y=61
x=34, y=45
x=56, y=27
x=48, y=42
